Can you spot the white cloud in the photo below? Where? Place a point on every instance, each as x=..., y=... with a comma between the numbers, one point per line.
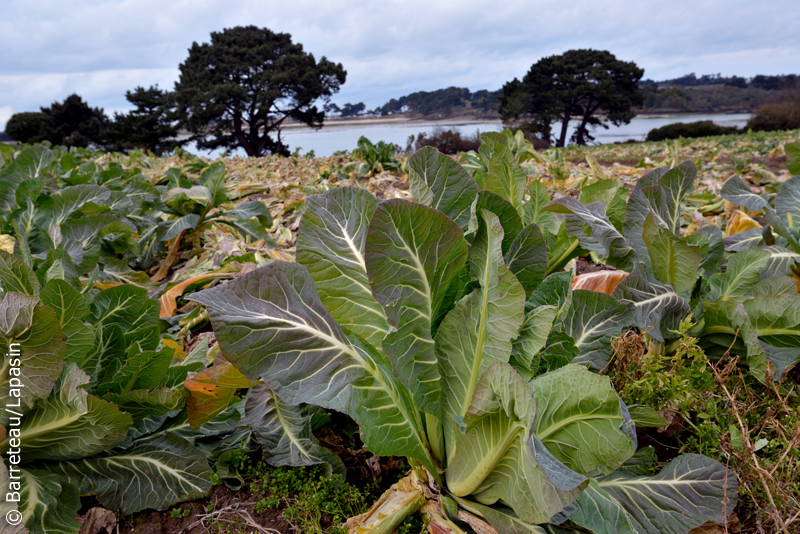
x=101, y=48
x=5, y=114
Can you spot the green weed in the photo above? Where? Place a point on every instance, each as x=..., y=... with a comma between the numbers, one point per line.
x=180, y=513
x=312, y=501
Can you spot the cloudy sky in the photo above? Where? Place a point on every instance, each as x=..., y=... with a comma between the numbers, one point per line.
x=101, y=48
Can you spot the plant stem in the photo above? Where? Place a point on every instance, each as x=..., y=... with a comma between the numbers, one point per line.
x=163, y=270
x=435, y=436
x=398, y=502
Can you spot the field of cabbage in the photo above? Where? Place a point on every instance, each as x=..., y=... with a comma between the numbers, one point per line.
x=598, y=339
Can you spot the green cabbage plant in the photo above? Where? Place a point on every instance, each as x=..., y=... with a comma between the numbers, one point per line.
x=420, y=321
x=96, y=387
x=744, y=302
x=760, y=318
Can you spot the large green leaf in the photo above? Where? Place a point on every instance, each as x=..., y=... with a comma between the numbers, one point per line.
x=728, y=326
x=69, y=199
x=508, y=215
x=24, y=320
x=533, y=334
x=479, y=330
x=556, y=290
x=331, y=246
x=284, y=431
x=441, y=183
x=735, y=190
x=776, y=320
x=612, y=193
x=501, y=518
x=780, y=262
x=142, y=404
x=741, y=272
x=593, y=320
x=106, y=356
x=29, y=164
x=143, y=370
x=762, y=328
x=793, y=157
x=527, y=258
x=170, y=229
x=83, y=239
x=270, y=323
x=413, y=253
x=70, y=423
x=598, y=235
x=599, y=512
x=213, y=179
x=746, y=240
x=196, y=200
x=673, y=260
x=689, y=491
x=677, y=183
x=657, y=307
x=787, y=201
x=156, y=472
x=499, y=460
x=505, y=177
x=49, y=504
x=713, y=248
x=16, y=276
x=558, y=351
x=71, y=310
x=10, y=505
x=580, y=420
x=657, y=195
x=129, y=308
x=533, y=211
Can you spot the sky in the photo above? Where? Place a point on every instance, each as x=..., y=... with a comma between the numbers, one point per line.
x=50, y=49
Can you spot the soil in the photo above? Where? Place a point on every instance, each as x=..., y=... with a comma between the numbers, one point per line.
x=229, y=506
x=582, y=265
x=364, y=470
x=666, y=446
x=772, y=164
x=625, y=162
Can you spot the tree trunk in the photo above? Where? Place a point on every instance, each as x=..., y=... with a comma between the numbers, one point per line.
x=562, y=140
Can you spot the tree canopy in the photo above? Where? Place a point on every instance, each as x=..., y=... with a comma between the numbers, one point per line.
x=352, y=110
x=239, y=89
x=151, y=125
x=70, y=123
x=590, y=86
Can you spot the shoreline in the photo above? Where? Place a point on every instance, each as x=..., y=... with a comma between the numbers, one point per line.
x=467, y=119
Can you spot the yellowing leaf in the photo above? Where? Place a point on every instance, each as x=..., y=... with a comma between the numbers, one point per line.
x=177, y=347
x=211, y=391
x=740, y=222
x=7, y=243
x=169, y=299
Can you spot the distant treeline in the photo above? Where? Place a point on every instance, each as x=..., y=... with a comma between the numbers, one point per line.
x=689, y=93
x=761, y=81
x=444, y=101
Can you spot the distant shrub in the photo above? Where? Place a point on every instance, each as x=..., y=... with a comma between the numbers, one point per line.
x=778, y=116
x=781, y=114
x=445, y=141
x=689, y=129
x=29, y=127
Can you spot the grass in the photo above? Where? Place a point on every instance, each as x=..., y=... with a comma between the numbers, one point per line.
x=718, y=409
x=312, y=502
